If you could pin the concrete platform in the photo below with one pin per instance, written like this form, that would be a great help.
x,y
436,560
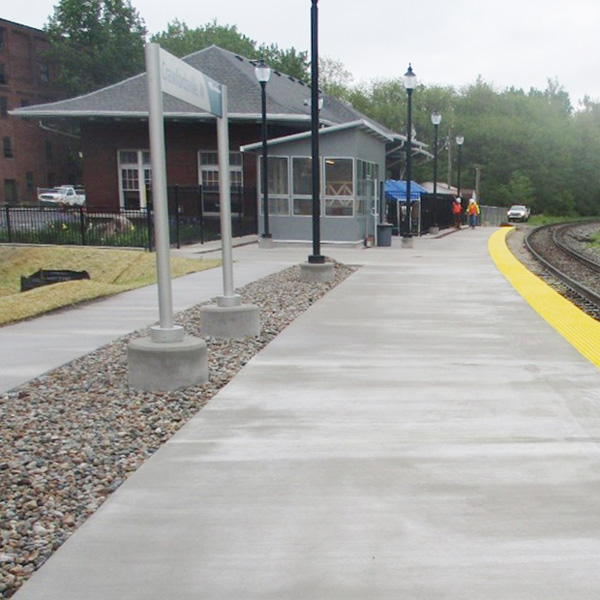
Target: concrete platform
x,y
419,433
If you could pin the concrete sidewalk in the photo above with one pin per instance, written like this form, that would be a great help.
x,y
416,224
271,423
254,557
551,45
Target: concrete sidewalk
x,y
31,348
419,433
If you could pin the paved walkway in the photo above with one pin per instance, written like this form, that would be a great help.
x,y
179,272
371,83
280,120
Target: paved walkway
x,y
31,348
419,433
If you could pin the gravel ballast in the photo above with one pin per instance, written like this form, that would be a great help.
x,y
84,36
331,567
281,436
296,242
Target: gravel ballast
x,y
72,436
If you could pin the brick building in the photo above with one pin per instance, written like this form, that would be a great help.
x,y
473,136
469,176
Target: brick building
x,y
31,154
114,133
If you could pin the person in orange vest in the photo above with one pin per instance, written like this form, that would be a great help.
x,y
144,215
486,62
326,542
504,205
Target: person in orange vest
x,y
457,212
473,212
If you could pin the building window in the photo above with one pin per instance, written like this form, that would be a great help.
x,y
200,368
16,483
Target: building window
x,y
2,75
10,191
8,149
135,178
338,177
339,187
302,186
2,38
302,207
278,175
366,180
30,183
278,185
44,72
49,151
3,107
208,178
302,176
24,103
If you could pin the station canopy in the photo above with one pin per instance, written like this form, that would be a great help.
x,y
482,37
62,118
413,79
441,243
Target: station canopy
x,y
395,190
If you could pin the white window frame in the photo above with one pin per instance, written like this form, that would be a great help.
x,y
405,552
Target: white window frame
x,y
275,199
331,197
143,168
236,172
294,196
364,201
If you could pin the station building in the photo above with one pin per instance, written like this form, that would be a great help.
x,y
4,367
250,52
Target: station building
x,y
117,172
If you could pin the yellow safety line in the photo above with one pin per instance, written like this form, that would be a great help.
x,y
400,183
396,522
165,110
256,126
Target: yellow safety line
x,y
579,329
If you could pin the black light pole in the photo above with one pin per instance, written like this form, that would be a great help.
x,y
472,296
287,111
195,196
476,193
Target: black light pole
x,y
263,74
459,141
410,80
315,257
436,119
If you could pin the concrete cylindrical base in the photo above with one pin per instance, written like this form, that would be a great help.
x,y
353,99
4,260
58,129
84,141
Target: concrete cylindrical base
x,y
230,322
434,230
265,242
407,242
319,272
167,366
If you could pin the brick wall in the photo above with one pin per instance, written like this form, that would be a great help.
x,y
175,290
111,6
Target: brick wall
x,y
39,158
103,138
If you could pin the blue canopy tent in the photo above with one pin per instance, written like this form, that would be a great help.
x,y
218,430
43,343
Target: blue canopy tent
x,y
395,191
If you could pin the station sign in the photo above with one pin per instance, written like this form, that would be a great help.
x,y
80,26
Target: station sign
x,y
182,81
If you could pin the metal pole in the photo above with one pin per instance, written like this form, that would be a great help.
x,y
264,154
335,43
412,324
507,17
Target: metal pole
x,y
177,220
166,331
435,173
458,176
449,144
265,176
82,226
477,180
408,231
9,230
316,257
228,298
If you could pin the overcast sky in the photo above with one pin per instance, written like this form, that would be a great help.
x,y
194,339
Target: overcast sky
x,y
517,43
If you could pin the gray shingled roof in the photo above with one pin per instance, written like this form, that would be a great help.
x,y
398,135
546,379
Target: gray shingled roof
x,y
286,97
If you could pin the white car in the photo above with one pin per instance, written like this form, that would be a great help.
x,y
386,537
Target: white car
x,y
517,212
63,195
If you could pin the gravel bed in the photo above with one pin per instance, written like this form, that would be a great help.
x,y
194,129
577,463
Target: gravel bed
x,y
71,437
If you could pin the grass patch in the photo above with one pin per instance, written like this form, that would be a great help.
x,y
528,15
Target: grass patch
x,y
543,219
111,271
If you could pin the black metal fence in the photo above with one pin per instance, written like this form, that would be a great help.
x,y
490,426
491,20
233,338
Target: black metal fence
x,y
80,225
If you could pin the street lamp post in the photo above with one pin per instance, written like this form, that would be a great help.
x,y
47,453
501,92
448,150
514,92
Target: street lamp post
x,y
459,141
436,119
315,257
410,81
263,74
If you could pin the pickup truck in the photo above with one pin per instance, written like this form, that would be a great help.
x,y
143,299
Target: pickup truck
x,y
63,194
518,212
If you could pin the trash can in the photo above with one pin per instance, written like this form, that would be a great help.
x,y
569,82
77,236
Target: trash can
x,y
384,235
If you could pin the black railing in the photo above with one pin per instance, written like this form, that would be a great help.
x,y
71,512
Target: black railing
x,y
188,220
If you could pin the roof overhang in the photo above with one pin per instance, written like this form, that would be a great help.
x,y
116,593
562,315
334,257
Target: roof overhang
x,y
42,113
360,124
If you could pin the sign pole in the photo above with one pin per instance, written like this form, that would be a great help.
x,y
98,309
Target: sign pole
x,y
166,332
228,298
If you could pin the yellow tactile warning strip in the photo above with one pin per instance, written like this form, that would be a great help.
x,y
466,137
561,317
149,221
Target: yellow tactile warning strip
x,y
579,329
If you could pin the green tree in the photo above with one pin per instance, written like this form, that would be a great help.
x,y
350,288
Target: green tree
x,y
95,43
334,78
180,40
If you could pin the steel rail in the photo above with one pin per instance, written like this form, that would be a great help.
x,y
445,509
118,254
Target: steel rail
x,y
575,286
558,235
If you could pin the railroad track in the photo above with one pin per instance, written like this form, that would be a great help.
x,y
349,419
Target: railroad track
x,y
552,246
